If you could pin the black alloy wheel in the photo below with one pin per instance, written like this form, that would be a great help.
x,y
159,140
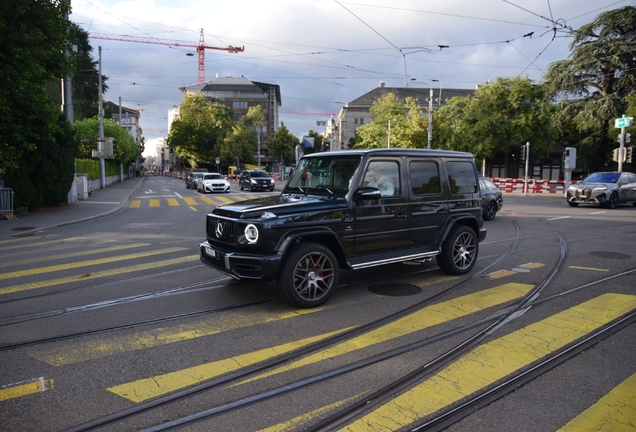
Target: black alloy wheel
x,y
491,211
459,251
309,275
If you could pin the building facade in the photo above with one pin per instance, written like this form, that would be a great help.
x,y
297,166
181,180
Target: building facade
x,y
357,112
240,94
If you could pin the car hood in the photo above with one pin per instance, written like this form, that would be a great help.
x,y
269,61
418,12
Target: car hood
x,y
583,185
279,205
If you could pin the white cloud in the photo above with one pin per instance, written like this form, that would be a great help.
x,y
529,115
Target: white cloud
x,y
323,53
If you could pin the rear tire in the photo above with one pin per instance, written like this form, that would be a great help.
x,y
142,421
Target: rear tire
x,y
491,211
309,275
459,251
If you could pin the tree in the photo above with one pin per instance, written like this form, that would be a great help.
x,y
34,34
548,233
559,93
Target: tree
x,y
242,142
282,145
33,35
592,85
125,150
85,78
318,142
501,115
196,137
395,123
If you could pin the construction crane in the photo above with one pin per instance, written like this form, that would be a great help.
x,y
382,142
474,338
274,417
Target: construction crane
x,y
321,113
200,47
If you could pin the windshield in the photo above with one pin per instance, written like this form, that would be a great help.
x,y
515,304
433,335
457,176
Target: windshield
x,y
256,174
602,178
331,174
212,177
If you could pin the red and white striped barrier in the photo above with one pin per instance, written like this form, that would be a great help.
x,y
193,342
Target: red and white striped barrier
x,y
535,186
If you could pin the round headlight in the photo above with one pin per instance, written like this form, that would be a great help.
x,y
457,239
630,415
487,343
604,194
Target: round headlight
x,y
251,233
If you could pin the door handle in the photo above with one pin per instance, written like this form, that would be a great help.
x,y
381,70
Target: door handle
x,y
400,216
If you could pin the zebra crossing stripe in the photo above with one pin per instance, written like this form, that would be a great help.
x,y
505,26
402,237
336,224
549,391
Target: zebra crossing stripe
x,y
492,361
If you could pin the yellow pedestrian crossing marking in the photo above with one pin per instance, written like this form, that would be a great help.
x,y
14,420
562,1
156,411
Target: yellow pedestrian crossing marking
x,y
225,200
144,389
72,265
73,254
174,202
499,274
25,388
589,268
95,275
420,320
492,361
305,418
90,350
432,315
616,411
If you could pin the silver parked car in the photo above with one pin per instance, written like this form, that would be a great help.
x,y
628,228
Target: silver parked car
x,y
605,188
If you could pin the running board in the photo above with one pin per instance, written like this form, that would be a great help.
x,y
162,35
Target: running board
x,y
425,256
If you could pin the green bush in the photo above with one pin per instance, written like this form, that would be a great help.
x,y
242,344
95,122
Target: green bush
x,y
93,169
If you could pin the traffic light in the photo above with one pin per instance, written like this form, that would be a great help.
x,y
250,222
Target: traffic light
x,y
615,155
569,158
630,151
523,150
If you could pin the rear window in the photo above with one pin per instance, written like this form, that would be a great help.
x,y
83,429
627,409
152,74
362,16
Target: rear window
x,y
424,178
461,177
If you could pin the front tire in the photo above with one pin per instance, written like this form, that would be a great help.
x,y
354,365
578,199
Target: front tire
x,y
612,202
459,251
309,275
573,204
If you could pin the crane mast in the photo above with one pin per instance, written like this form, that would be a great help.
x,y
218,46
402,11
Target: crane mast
x,y
200,47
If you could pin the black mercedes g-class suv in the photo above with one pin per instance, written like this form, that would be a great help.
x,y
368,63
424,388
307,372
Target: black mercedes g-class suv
x,y
351,210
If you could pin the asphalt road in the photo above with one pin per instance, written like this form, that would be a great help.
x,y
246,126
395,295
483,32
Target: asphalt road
x,y
115,314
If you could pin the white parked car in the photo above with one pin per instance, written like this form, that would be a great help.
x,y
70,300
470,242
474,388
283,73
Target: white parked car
x,y
212,182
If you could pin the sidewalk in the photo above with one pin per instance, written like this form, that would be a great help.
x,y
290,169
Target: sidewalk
x,y
101,203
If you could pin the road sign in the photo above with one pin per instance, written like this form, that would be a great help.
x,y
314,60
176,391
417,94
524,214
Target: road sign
x,y
623,122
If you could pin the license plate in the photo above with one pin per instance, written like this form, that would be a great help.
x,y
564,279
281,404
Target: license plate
x,y
210,252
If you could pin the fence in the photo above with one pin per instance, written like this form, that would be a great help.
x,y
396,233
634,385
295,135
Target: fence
x,y
535,186
6,203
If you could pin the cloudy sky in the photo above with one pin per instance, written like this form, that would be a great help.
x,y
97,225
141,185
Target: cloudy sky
x,y
325,53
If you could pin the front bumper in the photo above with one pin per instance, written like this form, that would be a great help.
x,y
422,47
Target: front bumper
x,y
216,187
586,196
240,265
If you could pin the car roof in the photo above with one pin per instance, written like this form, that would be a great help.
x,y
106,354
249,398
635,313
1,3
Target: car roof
x,y
394,152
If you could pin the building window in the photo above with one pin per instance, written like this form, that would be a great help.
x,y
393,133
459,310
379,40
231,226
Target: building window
x,y
355,120
361,120
239,105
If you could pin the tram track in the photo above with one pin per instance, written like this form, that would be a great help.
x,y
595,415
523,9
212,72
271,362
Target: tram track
x,y
493,320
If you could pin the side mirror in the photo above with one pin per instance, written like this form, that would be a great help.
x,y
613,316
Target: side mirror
x,y
368,194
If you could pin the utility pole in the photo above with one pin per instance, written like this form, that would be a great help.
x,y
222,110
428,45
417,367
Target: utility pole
x,y
67,109
100,140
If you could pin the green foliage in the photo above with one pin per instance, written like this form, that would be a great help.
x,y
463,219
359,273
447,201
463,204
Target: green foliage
x,y
92,167
33,35
399,122
318,144
198,134
46,173
593,84
125,150
505,113
282,144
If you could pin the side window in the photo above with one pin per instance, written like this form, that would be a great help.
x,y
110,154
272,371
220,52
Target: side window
x,y
424,177
461,177
384,175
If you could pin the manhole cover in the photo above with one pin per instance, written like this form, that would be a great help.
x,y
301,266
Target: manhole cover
x,y
22,228
613,255
394,289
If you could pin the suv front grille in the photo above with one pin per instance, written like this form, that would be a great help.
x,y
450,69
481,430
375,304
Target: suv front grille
x,y
220,229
